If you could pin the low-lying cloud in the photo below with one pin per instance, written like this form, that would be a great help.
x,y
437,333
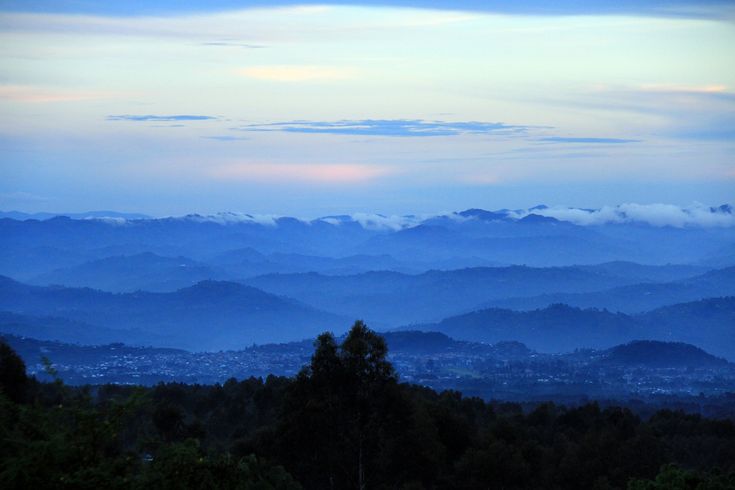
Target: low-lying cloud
x,y
381,222
230,218
651,214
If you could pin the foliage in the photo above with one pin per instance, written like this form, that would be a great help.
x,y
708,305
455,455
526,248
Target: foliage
x,y
344,422
12,373
673,478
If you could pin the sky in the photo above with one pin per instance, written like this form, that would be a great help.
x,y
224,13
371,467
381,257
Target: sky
x,y
316,108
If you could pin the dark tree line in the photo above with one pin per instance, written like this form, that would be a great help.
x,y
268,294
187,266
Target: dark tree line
x,y
345,422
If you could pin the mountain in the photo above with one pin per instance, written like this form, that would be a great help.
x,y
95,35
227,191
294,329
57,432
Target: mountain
x,y
656,354
538,237
633,298
70,331
648,273
388,299
483,215
208,315
28,261
724,257
557,328
146,271
536,243
18,215
248,262
708,324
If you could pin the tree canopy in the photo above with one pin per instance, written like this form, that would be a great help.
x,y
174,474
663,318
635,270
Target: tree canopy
x,y
344,422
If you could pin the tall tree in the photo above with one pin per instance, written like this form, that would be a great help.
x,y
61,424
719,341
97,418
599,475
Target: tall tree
x,y
13,379
345,423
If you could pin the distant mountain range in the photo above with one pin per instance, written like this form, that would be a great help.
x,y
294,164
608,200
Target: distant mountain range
x,y
209,315
709,324
390,298
340,244
226,315
145,271
60,329
18,215
633,298
229,280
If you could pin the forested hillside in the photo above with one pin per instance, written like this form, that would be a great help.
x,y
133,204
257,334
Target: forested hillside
x,y
343,422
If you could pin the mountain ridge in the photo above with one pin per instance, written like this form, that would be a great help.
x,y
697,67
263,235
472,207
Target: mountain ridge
x,y
210,313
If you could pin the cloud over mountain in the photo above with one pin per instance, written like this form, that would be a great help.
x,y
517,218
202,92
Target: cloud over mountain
x,y
652,214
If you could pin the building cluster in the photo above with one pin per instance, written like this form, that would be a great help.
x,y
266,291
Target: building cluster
x,y
470,372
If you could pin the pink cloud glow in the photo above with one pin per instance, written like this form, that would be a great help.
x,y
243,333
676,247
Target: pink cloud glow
x,y
288,172
22,93
702,89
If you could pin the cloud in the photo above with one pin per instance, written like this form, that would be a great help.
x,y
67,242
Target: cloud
x,y
232,44
386,127
658,215
559,139
369,221
25,93
685,89
381,222
310,173
225,138
670,8
689,112
151,117
652,214
297,73
229,218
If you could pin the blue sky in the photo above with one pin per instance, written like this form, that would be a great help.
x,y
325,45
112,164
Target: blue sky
x,y
315,108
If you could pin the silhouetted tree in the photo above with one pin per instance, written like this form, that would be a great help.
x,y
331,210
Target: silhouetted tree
x,y
345,422
13,379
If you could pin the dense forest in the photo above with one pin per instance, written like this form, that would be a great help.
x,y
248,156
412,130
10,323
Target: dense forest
x,y
345,421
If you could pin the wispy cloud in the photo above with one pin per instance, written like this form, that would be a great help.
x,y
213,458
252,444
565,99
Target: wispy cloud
x,y
685,89
158,118
309,173
387,127
696,112
560,139
297,73
232,44
225,138
652,214
382,222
